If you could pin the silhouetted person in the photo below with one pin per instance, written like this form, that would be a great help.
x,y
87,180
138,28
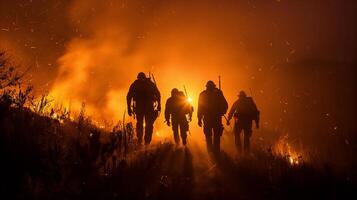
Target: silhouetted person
x,y
244,112
176,111
211,107
146,105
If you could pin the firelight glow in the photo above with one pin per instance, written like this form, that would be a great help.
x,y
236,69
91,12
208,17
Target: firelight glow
x,y
189,100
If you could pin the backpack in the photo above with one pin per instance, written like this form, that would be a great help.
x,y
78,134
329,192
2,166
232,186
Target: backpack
x,y
247,108
145,91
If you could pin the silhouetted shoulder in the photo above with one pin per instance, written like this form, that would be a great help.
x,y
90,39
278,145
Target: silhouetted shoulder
x,y
218,91
135,84
203,93
137,81
250,100
148,81
169,100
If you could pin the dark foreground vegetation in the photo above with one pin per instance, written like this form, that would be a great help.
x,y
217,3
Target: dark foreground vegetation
x,y
44,158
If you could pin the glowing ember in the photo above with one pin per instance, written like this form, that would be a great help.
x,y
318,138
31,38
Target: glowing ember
x,y
283,148
293,161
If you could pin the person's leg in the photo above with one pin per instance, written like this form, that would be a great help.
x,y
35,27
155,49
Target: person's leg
x,y
183,131
247,135
175,129
218,131
139,127
237,140
208,133
149,126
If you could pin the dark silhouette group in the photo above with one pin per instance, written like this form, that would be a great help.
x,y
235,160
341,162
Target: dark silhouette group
x,y
144,104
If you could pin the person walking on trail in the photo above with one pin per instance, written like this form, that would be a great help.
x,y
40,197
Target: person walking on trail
x,y
212,105
177,110
244,111
144,103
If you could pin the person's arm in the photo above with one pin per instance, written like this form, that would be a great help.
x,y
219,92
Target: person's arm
x,y
129,98
190,113
257,115
158,98
257,120
225,104
232,110
200,109
168,112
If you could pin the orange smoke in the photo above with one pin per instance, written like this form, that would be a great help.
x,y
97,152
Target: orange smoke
x,y
99,68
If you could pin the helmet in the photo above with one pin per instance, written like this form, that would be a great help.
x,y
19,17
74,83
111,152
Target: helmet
x,y
242,94
174,92
141,75
210,84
